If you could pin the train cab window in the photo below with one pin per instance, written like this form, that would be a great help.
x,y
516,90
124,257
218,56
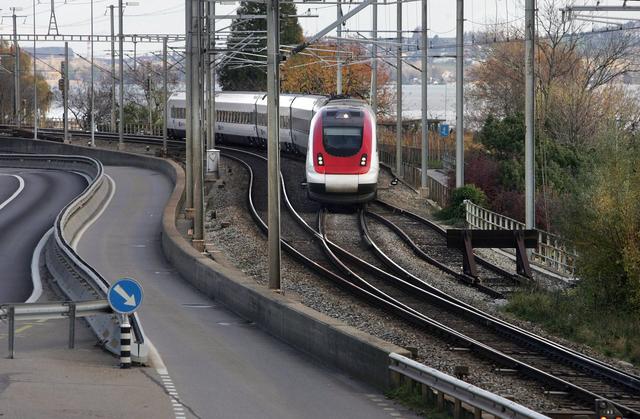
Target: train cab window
x,y
178,113
342,141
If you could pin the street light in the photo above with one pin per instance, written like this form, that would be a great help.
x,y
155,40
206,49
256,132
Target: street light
x,y
121,5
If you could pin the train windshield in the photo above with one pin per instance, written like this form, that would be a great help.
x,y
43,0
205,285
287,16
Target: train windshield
x,y
342,141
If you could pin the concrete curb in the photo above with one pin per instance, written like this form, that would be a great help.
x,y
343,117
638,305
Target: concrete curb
x,y
321,337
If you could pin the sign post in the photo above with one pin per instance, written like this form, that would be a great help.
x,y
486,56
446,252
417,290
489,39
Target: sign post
x,y
125,297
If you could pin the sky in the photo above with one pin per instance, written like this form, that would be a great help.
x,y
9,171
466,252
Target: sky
x,y
167,16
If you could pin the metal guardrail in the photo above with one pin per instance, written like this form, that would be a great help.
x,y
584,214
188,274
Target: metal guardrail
x,y
464,396
552,252
78,280
44,311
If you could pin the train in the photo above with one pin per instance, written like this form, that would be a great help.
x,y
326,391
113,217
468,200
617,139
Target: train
x,y
337,135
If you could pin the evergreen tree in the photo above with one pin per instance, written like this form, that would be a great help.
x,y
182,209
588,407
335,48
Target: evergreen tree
x,y
252,76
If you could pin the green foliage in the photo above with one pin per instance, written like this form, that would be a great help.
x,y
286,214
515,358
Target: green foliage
x,y
236,74
504,138
577,316
456,211
603,220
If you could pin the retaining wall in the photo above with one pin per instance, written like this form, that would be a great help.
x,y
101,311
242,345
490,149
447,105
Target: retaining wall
x,y
322,337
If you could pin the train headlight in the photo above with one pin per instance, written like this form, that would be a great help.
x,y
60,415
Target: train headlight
x,y
363,160
320,160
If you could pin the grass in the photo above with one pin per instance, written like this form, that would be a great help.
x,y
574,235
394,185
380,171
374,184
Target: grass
x,y
411,397
573,316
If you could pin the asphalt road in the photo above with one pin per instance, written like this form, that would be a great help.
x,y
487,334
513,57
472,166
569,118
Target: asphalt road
x,y
25,215
218,365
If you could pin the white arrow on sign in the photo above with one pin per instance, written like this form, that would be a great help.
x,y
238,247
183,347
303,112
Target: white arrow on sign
x,y
129,300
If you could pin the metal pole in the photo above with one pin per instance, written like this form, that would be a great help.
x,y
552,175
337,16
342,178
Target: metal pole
x,y
65,97
273,143
211,76
425,84
35,79
196,127
529,147
374,59
399,90
338,58
92,107
12,331
72,325
16,73
149,103
113,72
460,95
165,97
121,71
189,110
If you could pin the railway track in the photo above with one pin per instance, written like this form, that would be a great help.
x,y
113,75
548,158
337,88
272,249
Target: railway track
x,y
561,370
427,240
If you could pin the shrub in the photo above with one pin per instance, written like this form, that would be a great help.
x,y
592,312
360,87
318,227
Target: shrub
x,y
456,211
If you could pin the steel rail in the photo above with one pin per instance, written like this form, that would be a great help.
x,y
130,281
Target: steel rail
x,y
423,321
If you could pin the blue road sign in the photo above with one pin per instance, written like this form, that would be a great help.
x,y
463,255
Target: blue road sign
x,y
444,130
125,296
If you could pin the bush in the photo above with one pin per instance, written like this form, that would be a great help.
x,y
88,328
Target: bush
x,y
456,211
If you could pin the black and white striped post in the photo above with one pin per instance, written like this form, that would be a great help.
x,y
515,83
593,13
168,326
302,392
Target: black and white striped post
x,y
125,342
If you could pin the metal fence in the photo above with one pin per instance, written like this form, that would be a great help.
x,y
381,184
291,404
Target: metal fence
x,y
449,392
553,252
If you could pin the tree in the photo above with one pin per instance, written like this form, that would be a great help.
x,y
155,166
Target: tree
x,y
244,65
27,84
314,72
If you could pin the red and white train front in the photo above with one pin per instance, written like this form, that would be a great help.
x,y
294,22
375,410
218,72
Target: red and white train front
x,y
342,157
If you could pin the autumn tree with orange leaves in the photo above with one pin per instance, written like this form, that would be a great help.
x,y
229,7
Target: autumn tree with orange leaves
x,y
314,72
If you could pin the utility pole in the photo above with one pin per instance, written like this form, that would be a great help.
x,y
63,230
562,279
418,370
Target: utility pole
x,y
65,96
460,95
16,70
273,142
121,70
399,90
196,123
374,59
149,103
93,101
211,75
338,57
113,72
53,22
189,110
165,98
425,84
529,142
35,79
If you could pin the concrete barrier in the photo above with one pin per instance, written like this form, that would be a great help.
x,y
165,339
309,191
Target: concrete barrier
x,y
322,337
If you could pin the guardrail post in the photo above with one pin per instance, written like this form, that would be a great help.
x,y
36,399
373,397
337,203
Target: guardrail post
x,y
12,327
477,413
72,325
440,400
457,409
125,342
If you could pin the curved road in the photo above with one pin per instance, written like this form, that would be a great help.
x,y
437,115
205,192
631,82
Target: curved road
x,y
25,216
218,365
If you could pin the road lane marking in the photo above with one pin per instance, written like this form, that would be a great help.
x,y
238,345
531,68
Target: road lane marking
x,y
16,193
35,268
23,328
89,223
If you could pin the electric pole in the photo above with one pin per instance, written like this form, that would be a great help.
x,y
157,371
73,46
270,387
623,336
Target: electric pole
x,y
374,59
65,93
530,183
121,71
425,84
399,90
165,97
113,72
460,95
93,101
211,76
16,70
273,141
338,57
35,79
